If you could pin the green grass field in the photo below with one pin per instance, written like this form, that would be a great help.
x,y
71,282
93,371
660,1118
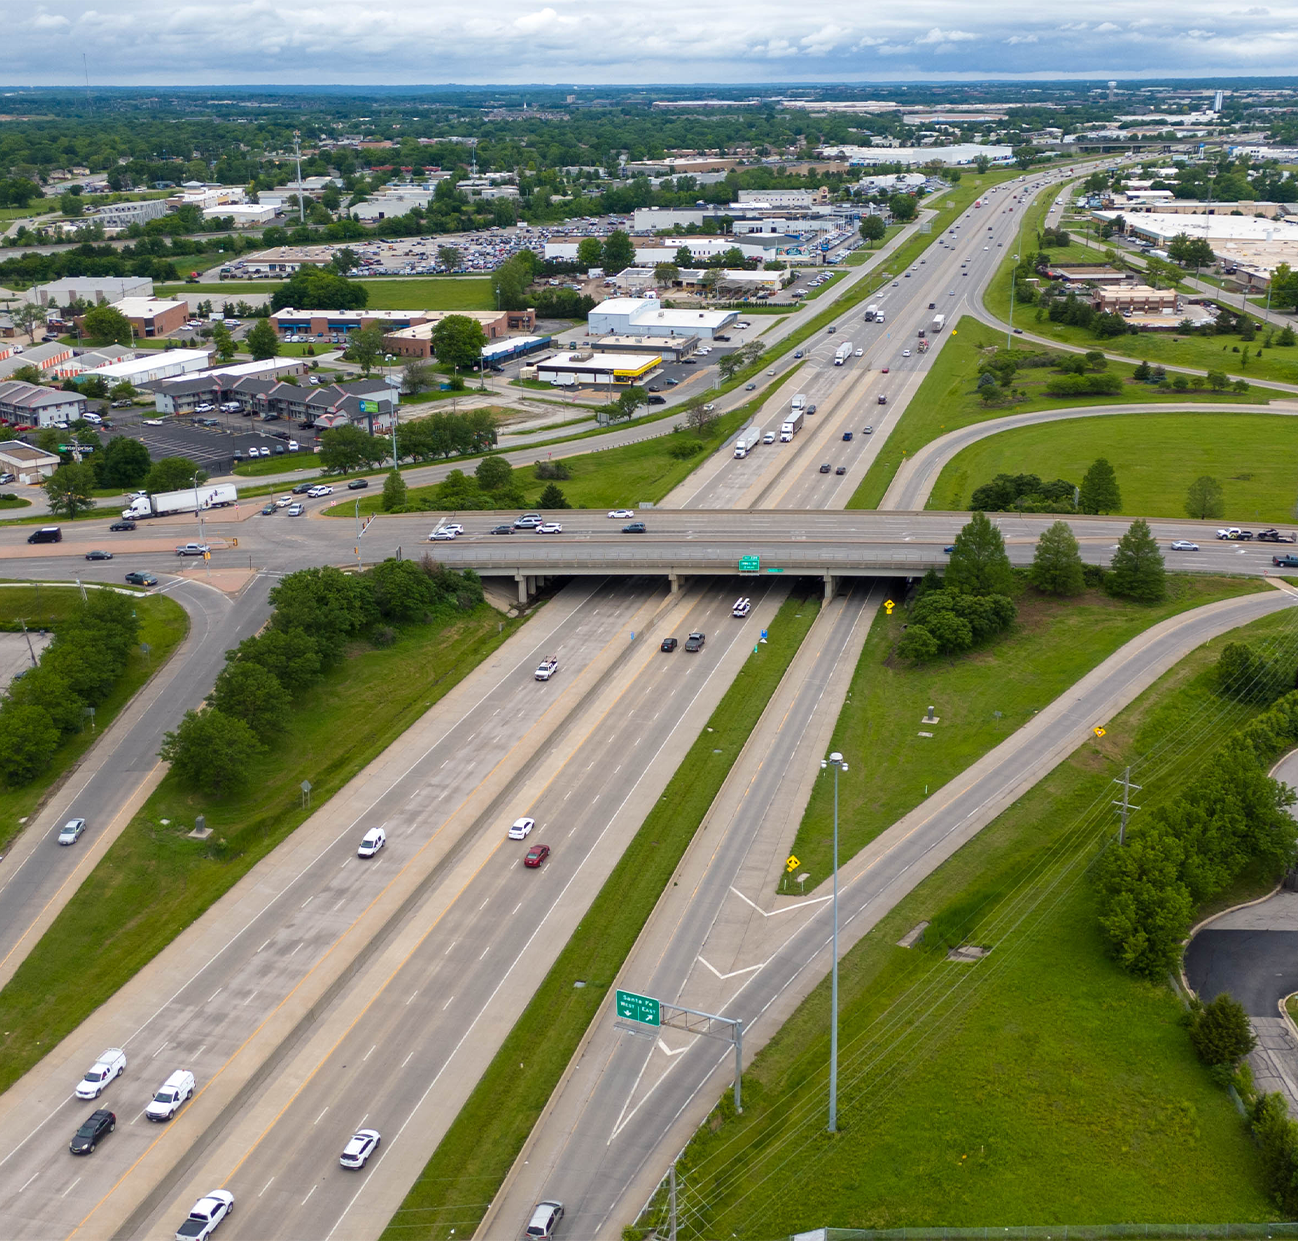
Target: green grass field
x,y
1157,456
1219,353
163,624
453,1191
948,400
1055,643
1038,1086
153,881
386,293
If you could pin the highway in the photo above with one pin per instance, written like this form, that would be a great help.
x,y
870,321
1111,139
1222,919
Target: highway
x,y
328,988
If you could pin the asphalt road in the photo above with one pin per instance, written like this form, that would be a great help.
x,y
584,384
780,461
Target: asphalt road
x,y
1258,967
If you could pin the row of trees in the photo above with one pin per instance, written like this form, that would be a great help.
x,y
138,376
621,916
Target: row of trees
x,y
1026,493
318,612
77,671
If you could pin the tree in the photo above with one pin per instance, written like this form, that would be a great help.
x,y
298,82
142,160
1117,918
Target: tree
x,y
249,692
903,207
365,347
402,590
314,288
590,250
1221,1032
347,448
210,751
619,252
1025,156
124,463
700,414
291,656
345,260
1246,676
509,284
666,274
1205,500
449,257
28,739
325,602
394,491
172,474
223,342
1099,489
553,497
1137,570
1057,565
27,317
684,257
107,324
494,473
873,228
123,390
71,489
982,162
415,376
979,565
918,644
262,340
458,342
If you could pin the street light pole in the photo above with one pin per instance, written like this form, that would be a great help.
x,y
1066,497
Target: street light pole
x,y
836,761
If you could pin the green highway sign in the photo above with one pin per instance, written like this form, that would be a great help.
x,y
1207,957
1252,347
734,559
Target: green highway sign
x,y
750,564
632,1007
775,570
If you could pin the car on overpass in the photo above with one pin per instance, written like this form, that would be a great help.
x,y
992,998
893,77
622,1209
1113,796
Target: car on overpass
x,y
636,527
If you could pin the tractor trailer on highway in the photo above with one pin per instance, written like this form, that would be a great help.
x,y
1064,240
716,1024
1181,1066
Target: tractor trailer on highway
x,y
791,426
190,500
748,439
842,353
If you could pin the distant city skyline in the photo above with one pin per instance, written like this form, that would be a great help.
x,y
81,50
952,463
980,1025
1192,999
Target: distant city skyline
x,y
147,42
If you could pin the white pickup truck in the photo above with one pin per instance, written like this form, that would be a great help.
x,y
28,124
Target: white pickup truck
x,y
548,668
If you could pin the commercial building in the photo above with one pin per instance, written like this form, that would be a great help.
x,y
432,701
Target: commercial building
x,y
588,367
42,357
958,153
785,198
416,341
151,316
214,386
244,214
514,347
203,195
645,316
92,289
37,406
31,465
120,215
1136,299
673,348
157,364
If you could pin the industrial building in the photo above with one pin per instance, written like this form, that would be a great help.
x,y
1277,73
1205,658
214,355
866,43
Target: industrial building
x,y
120,215
645,316
158,364
42,357
245,215
92,289
151,316
416,340
396,323
590,368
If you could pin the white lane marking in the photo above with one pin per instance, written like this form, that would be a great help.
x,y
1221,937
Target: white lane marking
x,y
486,950
369,1053
259,949
406,1061
266,1186
517,908
319,1118
748,969
308,900
70,1188
155,1054
483,905
309,1193
667,1051
447,1004
249,999
214,994
294,953
29,1180
414,993
815,900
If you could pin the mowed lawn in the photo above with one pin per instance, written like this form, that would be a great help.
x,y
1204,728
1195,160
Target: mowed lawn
x,y
1039,1085
388,293
1157,456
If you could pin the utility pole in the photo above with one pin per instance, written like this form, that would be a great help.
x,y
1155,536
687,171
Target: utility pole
x,y
1124,806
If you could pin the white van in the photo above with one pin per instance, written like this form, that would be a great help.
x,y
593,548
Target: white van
x,y
94,419
171,1095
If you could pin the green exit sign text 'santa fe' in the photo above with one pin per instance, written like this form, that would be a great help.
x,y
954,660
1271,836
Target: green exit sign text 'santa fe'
x,y
750,564
642,1008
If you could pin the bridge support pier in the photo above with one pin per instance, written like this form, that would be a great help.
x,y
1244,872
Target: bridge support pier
x,y
675,583
831,587
526,587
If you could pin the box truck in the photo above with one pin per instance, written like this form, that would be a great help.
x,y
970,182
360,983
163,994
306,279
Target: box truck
x,y
939,322
800,401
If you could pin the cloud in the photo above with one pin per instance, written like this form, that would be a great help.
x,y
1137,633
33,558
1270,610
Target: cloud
x,y
49,21
1106,28
937,35
1020,38
534,23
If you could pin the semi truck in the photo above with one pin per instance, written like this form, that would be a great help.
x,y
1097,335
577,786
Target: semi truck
x,y
748,439
800,401
191,499
791,426
939,322
842,353
872,312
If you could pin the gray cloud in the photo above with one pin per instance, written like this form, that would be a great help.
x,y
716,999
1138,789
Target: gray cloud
x,y
579,41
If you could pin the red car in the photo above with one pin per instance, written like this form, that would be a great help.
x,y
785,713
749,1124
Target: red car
x,y
536,855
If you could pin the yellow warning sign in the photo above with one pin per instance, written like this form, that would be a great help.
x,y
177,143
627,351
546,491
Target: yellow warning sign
x,y
888,606
792,864
1098,731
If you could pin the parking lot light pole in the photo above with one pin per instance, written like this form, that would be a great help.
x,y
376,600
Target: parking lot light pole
x,y
835,760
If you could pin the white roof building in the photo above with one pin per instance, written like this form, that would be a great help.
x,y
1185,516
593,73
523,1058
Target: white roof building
x,y
645,316
158,364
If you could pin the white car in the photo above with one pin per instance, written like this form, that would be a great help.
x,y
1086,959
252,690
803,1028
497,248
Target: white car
x,y
521,828
71,831
1184,545
205,1215
742,607
320,490
442,534
111,1064
860,353
151,422
905,353
621,513
549,527
362,1145
373,841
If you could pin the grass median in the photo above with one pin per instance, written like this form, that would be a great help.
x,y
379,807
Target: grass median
x,y
154,880
1040,1085
1157,456
948,399
456,1187
981,699
163,624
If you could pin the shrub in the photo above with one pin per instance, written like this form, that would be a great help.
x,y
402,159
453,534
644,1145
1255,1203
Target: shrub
x,y
1220,1031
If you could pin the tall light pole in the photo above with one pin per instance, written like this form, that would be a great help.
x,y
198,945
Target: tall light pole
x,y
835,760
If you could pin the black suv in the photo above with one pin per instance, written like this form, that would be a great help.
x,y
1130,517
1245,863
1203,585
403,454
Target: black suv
x,y
302,488
87,1137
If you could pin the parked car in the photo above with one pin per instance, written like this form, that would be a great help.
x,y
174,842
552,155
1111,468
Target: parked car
x,y
536,855
71,831
695,641
363,1143
521,828
372,842
98,1127
111,1064
668,645
141,578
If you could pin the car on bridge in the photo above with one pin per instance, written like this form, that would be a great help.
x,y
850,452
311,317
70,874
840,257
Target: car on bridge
x,y
1184,545
636,527
695,641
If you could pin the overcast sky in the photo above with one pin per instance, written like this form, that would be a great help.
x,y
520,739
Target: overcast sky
x,y
174,42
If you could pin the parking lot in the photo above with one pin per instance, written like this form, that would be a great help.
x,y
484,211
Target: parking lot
x,y
213,448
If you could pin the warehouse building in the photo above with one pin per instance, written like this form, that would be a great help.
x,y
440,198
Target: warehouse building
x,y
120,215
159,364
645,316
416,341
152,316
589,368
92,289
